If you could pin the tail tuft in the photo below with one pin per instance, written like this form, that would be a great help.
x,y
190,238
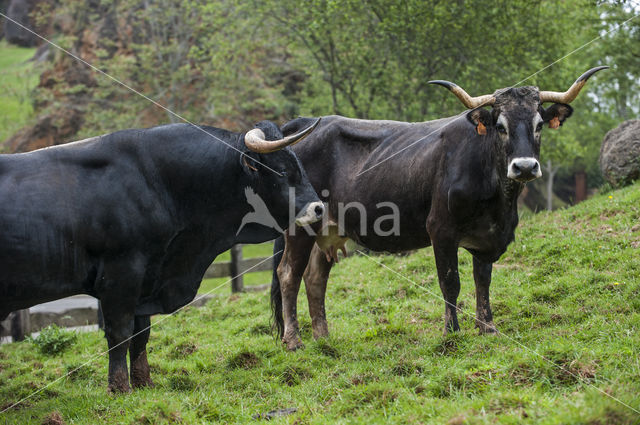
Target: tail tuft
x,y
277,324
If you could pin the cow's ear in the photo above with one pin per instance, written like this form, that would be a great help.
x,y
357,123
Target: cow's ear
x,y
248,163
556,114
481,120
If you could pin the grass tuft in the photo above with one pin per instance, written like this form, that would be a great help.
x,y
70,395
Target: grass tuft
x,y
243,360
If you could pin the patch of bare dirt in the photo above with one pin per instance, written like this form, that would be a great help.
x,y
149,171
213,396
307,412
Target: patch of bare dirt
x,y
243,360
576,370
293,375
457,420
184,349
406,368
362,379
53,418
382,320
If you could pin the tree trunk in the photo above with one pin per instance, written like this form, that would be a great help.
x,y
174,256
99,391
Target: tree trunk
x,y
552,172
581,186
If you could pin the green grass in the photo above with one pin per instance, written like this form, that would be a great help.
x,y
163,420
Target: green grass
x,y
568,289
17,80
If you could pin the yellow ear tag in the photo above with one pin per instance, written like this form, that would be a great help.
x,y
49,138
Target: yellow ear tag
x,y
554,123
481,129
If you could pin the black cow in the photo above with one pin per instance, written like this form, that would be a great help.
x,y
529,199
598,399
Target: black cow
x,y
134,218
450,183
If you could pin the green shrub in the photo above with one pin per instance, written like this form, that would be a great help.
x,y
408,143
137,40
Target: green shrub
x,y
54,340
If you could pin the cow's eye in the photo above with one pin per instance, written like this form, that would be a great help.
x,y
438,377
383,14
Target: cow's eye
x,y
539,126
501,128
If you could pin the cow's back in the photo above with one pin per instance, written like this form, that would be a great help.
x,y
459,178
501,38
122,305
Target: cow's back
x,y
64,209
372,162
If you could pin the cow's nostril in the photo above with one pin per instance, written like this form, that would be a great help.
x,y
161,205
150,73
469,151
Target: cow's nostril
x,y
319,210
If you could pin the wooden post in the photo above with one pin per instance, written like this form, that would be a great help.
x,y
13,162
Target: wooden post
x,y
20,325
581,186
100,316
237,284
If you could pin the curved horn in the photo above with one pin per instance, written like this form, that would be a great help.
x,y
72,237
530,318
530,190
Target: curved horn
x,y
255,139
572,93
468,101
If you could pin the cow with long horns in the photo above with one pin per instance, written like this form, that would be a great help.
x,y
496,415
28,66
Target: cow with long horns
x,y
454,183
134,218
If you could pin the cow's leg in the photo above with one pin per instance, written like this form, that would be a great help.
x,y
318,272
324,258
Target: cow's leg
x,y
118,328
482,278
315,281
118,291
446,254
292,266
140,374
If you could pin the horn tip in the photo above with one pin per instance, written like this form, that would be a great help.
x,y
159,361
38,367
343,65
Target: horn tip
x,y
589,73
311,127
447,84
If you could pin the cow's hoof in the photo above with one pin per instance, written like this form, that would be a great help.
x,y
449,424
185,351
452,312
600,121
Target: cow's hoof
x,y
293,344
320,330
142,383
119,382
141,372
118,389
486,328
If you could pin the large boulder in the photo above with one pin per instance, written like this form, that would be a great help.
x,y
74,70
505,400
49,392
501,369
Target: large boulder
x,y
3,8
620,154
19,11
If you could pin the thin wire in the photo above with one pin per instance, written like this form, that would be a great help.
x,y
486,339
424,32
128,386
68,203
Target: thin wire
x,y
133,336
135,91
499,333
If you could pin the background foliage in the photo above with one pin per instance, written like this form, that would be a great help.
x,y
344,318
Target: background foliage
x,y
231,63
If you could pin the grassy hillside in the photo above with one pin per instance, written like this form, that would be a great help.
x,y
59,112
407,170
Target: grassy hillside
x,y
17,80
566,297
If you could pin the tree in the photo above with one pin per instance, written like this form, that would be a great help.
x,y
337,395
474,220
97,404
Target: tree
x,y
232,62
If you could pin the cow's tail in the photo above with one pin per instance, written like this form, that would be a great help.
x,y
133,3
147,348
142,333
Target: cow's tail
x,y
276,296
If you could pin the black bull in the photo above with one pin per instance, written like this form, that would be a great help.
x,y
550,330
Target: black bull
x,y
134,218
456,187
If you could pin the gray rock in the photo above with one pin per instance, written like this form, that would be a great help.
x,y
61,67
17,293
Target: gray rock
x,y
3,8
620,154
19,11
275,414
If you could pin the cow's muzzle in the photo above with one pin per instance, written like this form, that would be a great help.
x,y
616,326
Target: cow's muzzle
x,y
524,169
312,213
